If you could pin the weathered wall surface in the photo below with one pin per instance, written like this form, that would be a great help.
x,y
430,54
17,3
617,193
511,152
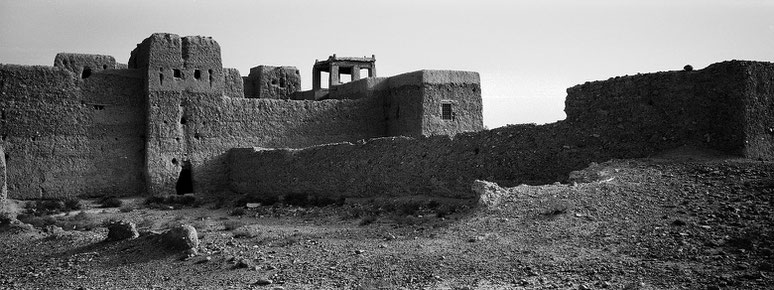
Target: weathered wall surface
x,y
397,166
64,135
234,86
626,117
460,89
759,111
174,67
215,125
84,65
666,109
3,184
272,82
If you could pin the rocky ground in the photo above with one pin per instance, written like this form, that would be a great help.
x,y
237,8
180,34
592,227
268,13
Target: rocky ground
x,y
684,220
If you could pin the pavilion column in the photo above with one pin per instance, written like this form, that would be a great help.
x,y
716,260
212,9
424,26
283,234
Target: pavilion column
x,y
355,73
334,76
316,85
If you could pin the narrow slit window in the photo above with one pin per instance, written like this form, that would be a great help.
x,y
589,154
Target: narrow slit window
x,y
446,112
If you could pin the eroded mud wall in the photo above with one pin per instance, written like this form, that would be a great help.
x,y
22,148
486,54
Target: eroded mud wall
x,y
3,185
626,117
216,124
759,111
65,135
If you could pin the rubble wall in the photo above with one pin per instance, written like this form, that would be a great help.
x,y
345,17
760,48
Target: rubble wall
x,y
66,136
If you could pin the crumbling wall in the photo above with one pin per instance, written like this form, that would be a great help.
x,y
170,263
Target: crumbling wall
x,y
3,183
67,136
272,82
84,65
174,67
215,125
234,86
759,111
399,166
625,117
650,112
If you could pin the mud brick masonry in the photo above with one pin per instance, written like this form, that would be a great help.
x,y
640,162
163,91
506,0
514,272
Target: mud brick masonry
x,y
173,120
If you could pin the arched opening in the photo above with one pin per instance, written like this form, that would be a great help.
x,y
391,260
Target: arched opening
x,y
185,180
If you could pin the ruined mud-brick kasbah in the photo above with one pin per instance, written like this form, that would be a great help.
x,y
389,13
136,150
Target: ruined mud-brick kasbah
x,y
173,120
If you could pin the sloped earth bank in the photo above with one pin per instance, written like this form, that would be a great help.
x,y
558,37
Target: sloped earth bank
x,y
681,221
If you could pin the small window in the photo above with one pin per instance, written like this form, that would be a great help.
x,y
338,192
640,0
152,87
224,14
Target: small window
x,y
446,112
86,72
178,74
197,74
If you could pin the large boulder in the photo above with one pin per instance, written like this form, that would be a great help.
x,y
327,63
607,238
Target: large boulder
x,y
122,230
182,237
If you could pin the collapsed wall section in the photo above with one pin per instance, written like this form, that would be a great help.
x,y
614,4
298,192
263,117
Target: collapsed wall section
x,y
67,136
272,82
84,65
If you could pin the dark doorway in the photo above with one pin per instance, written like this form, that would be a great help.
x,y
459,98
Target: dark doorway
x,y
185,181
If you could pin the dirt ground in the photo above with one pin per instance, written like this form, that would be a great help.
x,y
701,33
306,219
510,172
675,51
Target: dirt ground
x,y
678,221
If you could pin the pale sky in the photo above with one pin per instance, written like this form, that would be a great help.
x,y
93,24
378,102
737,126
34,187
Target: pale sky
x,y
527,52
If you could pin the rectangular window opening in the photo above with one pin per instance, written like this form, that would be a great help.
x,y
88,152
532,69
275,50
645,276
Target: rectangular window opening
x,y
446,112
345,78
325,79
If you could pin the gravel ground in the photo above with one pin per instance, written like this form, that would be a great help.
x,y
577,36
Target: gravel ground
x,y
680,221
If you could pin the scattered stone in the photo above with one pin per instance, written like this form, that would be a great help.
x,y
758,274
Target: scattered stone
x,y
263,282
122,230
489,193
244,263
54,230
182,237
358,252
253,205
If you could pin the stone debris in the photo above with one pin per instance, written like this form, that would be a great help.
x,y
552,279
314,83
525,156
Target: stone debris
x,y
182,237
490,194
122,230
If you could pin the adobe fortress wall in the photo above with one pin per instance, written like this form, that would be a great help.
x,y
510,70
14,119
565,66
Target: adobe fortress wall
x,y
65,134
726,106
